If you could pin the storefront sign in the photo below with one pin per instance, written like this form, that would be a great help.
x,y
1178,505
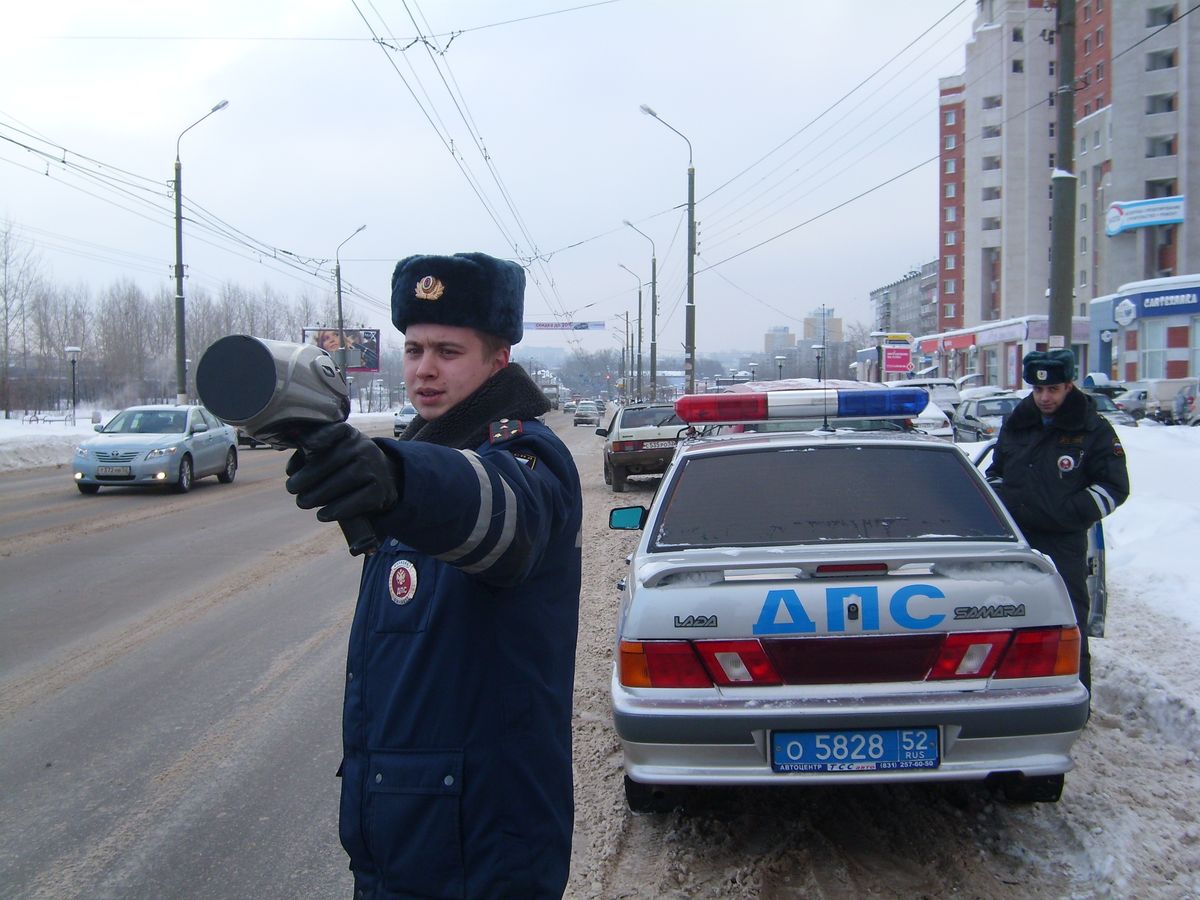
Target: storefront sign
x,y
897,359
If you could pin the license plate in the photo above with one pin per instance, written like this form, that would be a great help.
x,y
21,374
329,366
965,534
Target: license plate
x,y
657,445
112,471
879,750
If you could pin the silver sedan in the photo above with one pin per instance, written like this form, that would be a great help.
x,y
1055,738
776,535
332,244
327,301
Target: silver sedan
x,y
157,446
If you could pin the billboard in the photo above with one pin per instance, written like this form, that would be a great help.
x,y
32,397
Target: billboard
x,y
564,326
362,346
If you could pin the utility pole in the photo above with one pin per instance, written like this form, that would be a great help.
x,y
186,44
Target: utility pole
x,y
1063,182
690,317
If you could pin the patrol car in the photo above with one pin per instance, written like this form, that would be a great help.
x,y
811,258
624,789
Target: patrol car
x,y
836,606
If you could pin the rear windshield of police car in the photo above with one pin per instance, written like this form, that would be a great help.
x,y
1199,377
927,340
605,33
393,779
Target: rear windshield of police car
x,y
813,495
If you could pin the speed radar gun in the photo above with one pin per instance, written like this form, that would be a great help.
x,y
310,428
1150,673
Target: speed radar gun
x,y
278,393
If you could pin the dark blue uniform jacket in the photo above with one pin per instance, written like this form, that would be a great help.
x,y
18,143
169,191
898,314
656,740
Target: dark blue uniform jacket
x,y
457,722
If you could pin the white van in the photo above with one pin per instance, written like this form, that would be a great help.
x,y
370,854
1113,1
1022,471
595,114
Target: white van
x,y
942,391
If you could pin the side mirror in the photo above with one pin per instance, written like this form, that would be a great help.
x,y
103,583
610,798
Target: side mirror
x,y
97,428
603,432
199,427
627,518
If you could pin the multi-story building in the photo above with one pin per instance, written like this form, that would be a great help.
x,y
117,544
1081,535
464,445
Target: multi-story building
x,y
998,143
1138,158
906,305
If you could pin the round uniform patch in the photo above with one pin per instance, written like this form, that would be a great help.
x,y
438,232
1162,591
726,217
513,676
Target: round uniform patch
x,y
402,582
1066,463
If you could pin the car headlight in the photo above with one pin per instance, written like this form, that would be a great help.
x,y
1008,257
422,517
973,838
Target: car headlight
x,y
81,452
162,451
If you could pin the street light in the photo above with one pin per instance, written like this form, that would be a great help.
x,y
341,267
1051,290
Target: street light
x,y
337,277
639,329
779,360
689,345
653,311
180,343
73,353
818,349
753,366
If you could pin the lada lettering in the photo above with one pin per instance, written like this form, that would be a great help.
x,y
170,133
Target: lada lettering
x,y
784,613
696,622
999,611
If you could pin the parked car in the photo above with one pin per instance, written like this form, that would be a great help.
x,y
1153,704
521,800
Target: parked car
x,y
983,390
157,446
403,418
1099,383
980,419
586,413
1151,397
932,419
837,608
942,391
640,440
1107,408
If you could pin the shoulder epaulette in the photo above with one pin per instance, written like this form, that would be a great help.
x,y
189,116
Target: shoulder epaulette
x,y
504,430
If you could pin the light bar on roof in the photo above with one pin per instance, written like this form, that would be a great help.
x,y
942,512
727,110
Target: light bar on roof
x,y
867,403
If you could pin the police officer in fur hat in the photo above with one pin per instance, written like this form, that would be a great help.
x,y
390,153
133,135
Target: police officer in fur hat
x,y
1059,468
456,769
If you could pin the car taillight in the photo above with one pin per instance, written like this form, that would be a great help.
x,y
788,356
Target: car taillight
x,y
626,446
737,663
1038,652
968,654
661,664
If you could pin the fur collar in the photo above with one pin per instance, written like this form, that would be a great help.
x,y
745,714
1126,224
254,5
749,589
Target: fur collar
x,y
509,394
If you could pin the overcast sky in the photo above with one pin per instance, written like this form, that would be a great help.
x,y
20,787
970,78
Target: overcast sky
x,y
793,109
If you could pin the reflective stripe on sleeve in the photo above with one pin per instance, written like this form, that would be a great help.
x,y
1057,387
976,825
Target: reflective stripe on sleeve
x,y
507,531
1103,498
479,532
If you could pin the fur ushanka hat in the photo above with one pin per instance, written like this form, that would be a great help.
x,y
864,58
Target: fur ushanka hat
x,y
469,290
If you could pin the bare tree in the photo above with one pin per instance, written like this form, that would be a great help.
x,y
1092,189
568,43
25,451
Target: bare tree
x,y
18,280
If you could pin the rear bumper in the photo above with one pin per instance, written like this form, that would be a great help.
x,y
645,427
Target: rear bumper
x,y
728,741
642,462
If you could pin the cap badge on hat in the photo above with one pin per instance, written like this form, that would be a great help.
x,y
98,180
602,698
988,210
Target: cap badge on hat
x,y
430,288
1042,374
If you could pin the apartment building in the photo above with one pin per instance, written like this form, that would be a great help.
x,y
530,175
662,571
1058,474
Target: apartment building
x,y
1138,159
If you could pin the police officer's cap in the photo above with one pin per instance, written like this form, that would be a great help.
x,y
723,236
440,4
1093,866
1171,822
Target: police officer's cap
x,y
1049,367
469,290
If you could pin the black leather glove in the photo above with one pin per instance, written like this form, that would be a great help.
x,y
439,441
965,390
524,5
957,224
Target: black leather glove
x,y
343,471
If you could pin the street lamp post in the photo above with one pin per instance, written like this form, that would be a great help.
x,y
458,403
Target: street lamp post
x,y
753,367
689,346
73,353
180,342
818,349
779,360
337,277
653,311
638,395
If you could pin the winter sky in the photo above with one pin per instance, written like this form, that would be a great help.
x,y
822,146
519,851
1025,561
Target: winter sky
x,y
511,128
